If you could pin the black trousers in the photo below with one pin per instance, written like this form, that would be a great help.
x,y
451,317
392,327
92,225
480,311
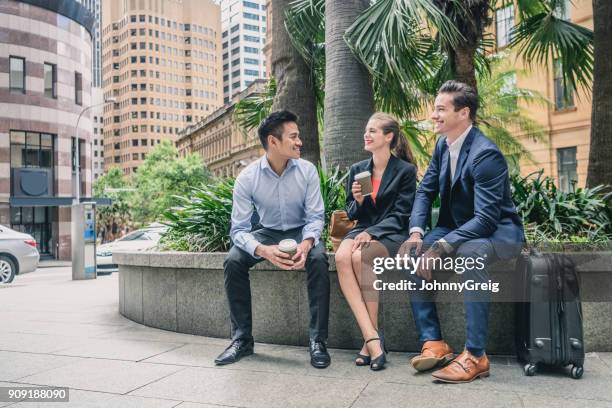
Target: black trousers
x,y
238,286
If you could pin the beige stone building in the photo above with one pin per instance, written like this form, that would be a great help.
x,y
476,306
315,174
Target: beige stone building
x,y
162,62
223,146
45,83
567,122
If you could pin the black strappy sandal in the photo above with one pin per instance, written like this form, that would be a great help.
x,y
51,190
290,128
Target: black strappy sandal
x,y
365,360
379,362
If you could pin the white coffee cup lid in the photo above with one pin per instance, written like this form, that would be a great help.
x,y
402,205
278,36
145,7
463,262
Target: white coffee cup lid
x,y
287,244
363,174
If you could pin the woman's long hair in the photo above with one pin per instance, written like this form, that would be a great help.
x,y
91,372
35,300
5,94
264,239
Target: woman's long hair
x,y
399,145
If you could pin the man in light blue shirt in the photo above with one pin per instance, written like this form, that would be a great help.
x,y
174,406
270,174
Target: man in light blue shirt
x,y
285,192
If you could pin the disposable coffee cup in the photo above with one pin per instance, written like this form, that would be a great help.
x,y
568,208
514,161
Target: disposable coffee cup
x,y
365,180
288,246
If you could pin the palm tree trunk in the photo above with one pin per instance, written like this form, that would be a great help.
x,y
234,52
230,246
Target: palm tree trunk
x,y
470,18
462,61
349,99
294,83
600,156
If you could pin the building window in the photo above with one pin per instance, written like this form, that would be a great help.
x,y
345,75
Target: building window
x,y
78,88
250,4
251,16
250,27
251,61
35,221
251,38
504,18
564,94
30,149
17,74
251,50
251,72
566,166
81,153
50,74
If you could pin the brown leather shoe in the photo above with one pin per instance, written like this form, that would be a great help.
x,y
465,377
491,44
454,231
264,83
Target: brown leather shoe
x,y
465,368
433,354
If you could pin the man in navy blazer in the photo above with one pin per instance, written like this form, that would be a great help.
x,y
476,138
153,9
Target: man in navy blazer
x,y
477,220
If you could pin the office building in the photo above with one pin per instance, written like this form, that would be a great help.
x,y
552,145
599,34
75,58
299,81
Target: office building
x,y
162,63
244,26
45,83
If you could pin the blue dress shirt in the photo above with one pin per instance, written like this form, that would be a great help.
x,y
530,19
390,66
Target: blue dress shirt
x,y
283,202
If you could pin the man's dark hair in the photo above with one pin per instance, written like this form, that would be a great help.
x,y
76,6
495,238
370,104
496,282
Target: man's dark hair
x,y
273,125
464,96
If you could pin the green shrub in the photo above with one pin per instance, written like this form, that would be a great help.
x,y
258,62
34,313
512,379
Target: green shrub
x,y
551,215
202,222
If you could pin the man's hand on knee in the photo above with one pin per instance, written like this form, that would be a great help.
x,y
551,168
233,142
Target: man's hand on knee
x,y
414,241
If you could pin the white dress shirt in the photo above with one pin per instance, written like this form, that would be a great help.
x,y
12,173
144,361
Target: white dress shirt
x,y
454,149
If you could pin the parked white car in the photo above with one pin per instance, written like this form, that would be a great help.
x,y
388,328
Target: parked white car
x,y
139,240
18,254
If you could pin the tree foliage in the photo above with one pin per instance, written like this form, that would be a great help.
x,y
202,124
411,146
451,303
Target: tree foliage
x,y
141,198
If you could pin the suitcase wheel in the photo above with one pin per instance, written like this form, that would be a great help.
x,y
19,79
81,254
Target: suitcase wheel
x,y
529,369
577,372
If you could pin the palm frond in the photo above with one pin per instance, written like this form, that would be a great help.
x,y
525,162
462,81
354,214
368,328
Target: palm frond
x,y
391,41
542,36
250,111
305,23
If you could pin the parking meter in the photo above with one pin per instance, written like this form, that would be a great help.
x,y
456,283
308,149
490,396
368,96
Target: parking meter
x,y
84,241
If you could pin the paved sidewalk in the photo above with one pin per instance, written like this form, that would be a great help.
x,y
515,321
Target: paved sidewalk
x,y
54,331
54,263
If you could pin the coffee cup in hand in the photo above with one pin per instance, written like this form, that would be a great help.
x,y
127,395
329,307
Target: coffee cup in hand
x,y
288,246
365,181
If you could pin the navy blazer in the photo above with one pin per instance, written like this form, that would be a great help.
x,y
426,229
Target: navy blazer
x,y
480,199
389,217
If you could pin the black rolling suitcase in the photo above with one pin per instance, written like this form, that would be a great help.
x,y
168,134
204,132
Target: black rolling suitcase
x,y
549,321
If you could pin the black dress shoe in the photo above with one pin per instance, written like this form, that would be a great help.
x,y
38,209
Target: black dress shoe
x,y
319,357
238,349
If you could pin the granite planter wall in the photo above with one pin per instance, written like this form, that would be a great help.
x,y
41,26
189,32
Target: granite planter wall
x,y
184,292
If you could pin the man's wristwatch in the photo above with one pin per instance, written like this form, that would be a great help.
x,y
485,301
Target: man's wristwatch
x,y
438,248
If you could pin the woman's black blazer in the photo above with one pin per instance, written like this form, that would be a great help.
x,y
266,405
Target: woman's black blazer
x,y
390,216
